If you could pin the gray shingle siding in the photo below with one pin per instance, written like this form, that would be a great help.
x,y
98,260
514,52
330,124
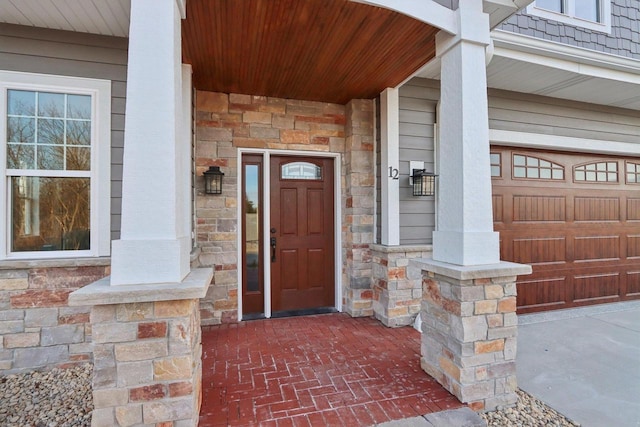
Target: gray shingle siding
x,y
624,39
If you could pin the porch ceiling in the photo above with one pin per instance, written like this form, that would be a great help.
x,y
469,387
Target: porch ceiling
x,y
317,50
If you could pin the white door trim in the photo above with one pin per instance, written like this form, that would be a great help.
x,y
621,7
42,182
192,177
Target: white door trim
x,y
266,191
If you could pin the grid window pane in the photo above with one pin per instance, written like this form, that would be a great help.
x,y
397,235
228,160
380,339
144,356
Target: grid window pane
x,y
78,132
78,106
50,104
78,159
21,156
50,131
21,129
557,174
50,157
21,103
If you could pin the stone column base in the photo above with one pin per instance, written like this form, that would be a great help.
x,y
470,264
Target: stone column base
x,y
397,287
147,351
469,330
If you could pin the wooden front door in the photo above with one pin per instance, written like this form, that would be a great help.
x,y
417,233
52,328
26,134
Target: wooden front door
x,y
301,241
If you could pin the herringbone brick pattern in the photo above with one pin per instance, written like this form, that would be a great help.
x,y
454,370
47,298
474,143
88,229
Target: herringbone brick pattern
x,y
324,370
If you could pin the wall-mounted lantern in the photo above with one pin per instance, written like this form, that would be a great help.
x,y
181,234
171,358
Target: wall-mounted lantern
x,y
424,183
213,180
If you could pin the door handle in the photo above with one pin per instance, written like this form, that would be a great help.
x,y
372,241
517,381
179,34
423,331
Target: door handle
x,y
273,249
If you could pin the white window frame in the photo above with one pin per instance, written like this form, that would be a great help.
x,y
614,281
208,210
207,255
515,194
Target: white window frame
x,y
570,17
100,173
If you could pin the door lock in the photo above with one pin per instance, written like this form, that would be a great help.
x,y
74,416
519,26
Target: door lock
x,y
273,249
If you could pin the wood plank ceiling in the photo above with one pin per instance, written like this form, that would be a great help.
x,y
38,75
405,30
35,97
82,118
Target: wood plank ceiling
x,y
316,50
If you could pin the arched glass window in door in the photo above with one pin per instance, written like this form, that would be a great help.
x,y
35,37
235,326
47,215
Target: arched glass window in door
x,y
301,170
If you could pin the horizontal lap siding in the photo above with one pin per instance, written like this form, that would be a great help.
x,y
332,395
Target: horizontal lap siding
x,y
542,115
418,101
38,50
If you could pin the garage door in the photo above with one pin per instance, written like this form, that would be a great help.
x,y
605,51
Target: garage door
x,y
575,219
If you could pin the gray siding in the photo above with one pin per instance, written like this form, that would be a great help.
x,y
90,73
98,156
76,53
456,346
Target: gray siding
x,y
550,116
418,101
624,39
65,53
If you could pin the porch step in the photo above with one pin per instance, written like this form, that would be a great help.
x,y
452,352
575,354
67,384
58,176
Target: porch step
x,y
461,417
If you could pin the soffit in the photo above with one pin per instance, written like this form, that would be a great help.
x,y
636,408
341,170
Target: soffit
x,y
528,65
109,18
318,50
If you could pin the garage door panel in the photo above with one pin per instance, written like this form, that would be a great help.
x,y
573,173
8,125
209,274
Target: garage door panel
x,y
539,250
633,209
542,293
633,284
538,208
633,246
498,207
596,209
596,248
596,286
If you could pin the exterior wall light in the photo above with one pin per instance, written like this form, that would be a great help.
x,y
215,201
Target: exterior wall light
x,y
213,180
424,183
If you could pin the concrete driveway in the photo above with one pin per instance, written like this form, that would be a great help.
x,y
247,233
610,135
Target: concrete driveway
x,y
584,362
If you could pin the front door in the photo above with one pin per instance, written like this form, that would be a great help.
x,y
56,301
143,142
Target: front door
x,y
301,244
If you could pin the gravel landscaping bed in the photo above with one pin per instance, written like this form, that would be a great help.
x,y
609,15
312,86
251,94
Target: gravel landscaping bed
x,y
57,398
528,412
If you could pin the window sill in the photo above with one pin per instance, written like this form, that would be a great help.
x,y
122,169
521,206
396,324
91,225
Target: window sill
x,y
54,262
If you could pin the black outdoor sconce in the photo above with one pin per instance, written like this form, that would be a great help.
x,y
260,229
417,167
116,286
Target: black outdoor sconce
x,y
424,183
213,180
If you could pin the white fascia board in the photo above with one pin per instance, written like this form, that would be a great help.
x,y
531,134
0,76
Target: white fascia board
x,y
427,11
542,52
566,143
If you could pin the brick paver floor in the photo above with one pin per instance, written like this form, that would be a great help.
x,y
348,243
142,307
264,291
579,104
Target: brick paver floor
x,y
323,370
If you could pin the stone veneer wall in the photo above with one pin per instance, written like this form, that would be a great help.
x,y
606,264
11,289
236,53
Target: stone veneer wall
x,y
148,364
226,122
38,329
397,285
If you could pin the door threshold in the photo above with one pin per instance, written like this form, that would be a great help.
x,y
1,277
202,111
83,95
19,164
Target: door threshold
x,y
304,312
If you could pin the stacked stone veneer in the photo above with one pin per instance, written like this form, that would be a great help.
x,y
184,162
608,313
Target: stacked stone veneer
x,y
357,209
148,368
227,122
38,329
397,284
469,330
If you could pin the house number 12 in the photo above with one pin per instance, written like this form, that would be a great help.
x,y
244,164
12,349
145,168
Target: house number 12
x,y
393,172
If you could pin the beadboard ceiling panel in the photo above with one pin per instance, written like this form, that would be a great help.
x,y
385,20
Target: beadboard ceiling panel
x,y
317,50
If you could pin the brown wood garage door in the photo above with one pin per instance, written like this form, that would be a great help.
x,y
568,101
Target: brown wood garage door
x,y
575,219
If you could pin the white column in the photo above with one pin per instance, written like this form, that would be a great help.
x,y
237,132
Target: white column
x,y
154,247
465,233
389,164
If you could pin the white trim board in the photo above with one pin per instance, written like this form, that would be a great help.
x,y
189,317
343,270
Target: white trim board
x,y
266,221
563,143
